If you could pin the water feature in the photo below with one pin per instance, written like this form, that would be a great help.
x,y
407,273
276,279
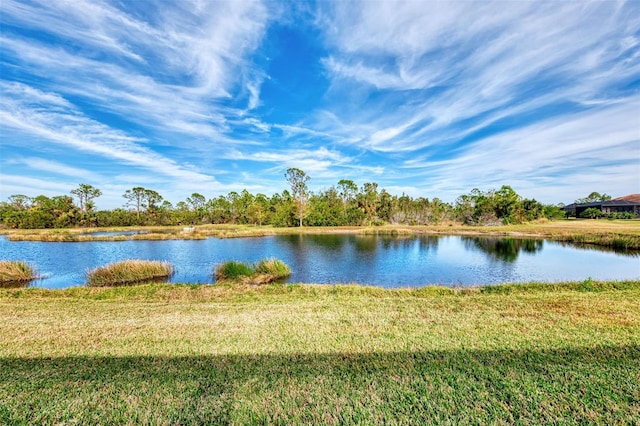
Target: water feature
x,y
340,258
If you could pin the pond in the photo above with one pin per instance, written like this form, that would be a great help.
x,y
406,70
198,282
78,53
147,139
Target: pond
x,y
341,258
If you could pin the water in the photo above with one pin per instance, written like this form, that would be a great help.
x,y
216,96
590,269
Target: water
x,y
381,261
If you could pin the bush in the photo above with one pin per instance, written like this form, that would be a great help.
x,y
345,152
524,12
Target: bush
x,y
591,213
621,215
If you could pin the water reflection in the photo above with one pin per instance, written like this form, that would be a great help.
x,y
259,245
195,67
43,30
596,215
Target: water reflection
x,y
363,244
591,247
15,284
503,249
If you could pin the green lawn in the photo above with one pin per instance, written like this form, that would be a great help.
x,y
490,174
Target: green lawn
x,y
291,354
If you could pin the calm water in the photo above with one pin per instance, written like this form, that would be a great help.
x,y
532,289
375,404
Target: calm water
x,y
381,261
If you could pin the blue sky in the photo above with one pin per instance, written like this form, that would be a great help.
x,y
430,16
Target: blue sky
x,y
425,98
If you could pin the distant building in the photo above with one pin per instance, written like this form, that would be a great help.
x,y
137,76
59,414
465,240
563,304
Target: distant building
x,y
626,204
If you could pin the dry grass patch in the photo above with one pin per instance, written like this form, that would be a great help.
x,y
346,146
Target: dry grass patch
x,y
15,273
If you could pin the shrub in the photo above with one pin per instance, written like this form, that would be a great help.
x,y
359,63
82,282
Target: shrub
x,y
591,213
620,215
129,272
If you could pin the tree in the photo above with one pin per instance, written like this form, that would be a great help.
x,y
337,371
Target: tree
x,y
135,197
20,202
298,181
86,194
594,197
140,198
257,211
152,199
368,199
196,201
508,205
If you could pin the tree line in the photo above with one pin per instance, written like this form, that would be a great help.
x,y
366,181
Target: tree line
x,y
344,204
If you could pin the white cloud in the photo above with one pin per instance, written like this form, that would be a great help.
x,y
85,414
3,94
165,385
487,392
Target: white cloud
x,y
471,61
596,150
58,168
72,129
31,187
161,72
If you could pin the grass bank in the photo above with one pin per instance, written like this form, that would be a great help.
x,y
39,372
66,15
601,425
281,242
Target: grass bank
x,y
623,234
291,354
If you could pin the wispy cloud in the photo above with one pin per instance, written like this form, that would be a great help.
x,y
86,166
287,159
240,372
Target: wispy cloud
x,y
31,111
469,61
58,168
183,70
597,148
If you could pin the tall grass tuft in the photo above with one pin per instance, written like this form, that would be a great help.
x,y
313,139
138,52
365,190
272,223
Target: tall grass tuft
x,y
263,272
15,272
273,267
129,272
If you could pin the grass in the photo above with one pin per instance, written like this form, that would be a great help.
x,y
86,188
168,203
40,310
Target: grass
x,y
128,272
263,272
303,354
14,273
613,233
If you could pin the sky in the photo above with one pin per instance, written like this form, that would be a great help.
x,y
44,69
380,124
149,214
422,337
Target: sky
x,y
425,98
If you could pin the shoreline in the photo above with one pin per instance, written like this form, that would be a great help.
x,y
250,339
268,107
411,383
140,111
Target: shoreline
x,y
615,233
227,289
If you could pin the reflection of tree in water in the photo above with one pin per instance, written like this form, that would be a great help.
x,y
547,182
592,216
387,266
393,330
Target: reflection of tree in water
x,y
593,247
428,243
407,242
361,243
326,241
503,249
366,244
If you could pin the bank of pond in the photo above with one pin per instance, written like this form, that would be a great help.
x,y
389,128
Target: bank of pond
x,y
384,261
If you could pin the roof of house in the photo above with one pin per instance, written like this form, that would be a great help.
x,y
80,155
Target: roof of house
x,y
628,200
631,197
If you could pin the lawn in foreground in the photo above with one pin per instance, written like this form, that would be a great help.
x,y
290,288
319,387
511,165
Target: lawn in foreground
x,y
288,354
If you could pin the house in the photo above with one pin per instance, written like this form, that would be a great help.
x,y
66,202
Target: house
x,y
626,204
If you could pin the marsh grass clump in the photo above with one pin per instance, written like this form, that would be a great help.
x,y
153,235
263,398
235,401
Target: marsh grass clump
x,y
129,272
233,270
15,273
263,272
274,267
